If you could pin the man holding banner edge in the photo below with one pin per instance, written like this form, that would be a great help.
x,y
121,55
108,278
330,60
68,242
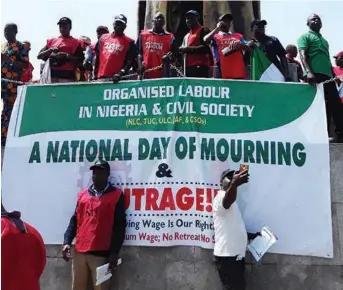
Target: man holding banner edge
x,y
315,57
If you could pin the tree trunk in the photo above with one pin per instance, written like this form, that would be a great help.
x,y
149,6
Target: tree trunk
x,y
243,12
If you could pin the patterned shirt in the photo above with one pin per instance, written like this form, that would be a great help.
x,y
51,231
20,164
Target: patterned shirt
x,y
16,51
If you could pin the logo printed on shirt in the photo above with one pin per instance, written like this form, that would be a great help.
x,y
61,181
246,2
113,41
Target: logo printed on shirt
x,y
153,46
114,47
227,41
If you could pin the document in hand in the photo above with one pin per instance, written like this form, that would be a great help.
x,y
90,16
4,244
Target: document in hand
x,y
104,273
261,244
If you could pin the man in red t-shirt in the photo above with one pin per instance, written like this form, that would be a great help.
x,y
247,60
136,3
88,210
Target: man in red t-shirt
x,y
23,255
228,49
64,52
156,47
196,53
115,52
98,226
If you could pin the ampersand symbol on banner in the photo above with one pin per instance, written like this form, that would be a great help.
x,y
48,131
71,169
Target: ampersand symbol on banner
x,y
156,110
163,171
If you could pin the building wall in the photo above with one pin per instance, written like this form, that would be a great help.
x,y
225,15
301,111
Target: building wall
x,y
188,268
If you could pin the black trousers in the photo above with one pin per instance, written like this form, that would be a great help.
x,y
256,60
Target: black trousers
x,y
199,71
334,107
231,272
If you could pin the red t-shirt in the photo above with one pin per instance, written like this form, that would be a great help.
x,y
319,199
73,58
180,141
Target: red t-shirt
x,y
338,71
27,74
112,54
95,221
153,47
23,257
64,44
194,38
232,66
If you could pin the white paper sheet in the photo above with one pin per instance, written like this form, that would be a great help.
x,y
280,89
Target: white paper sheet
x,y
261,244
45,77
104,273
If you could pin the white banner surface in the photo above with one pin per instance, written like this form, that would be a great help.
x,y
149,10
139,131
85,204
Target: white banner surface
x,y
167,142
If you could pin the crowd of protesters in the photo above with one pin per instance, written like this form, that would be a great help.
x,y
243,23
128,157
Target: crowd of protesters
x,y
218,53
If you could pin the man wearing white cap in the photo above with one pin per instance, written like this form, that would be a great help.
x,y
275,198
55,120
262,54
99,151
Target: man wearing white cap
x,y
115,52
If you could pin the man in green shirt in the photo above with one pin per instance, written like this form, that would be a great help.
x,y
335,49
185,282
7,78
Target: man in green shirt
x,y
315,57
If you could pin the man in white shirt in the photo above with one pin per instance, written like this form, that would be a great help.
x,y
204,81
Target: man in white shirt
x,y
231,237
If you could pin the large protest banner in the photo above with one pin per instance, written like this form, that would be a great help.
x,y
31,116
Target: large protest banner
x,y
167,142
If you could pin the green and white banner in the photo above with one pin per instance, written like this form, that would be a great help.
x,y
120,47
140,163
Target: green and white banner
x,y
167,142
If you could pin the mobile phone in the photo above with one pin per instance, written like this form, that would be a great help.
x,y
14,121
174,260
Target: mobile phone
x,y
243,167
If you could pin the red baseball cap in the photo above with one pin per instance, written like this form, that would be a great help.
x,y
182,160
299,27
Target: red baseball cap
x,y
339,55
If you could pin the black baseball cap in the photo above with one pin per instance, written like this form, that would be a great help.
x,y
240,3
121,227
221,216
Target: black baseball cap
x,y
121,18
226,16
64,20
192,12
226,173
102,164
258,22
